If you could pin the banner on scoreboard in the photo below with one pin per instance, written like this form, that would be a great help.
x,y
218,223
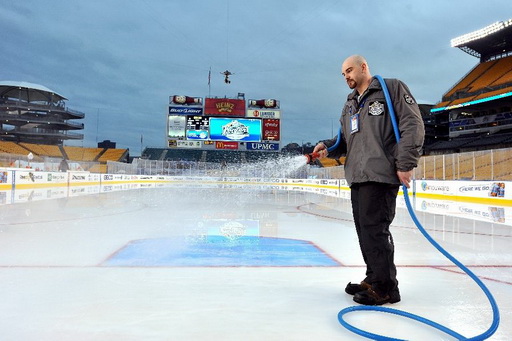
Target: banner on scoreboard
x,y
271,129
224,107
262,146
226,145
180,110
263,113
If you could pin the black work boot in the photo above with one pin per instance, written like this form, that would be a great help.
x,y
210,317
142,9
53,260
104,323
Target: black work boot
x,y
371,297
353,289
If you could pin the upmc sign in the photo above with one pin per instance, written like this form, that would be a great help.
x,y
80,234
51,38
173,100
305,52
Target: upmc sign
x,y
263,146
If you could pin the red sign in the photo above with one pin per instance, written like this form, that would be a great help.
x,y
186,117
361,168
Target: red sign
x,y
224,107
226,145
271,129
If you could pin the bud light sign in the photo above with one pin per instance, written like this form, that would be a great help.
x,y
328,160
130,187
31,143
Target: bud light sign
x,y
263,146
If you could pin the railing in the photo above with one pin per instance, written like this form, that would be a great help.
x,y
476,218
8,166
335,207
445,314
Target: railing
x,y
484,165
47,164
15,105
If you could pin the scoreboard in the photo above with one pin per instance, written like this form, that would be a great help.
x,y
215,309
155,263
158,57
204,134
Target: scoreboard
x,y
223,123
197,127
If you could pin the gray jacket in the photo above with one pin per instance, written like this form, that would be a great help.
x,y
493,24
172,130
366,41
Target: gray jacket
x,y
372,153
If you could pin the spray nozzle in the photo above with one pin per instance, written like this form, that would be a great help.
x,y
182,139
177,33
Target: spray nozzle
x,y
311,157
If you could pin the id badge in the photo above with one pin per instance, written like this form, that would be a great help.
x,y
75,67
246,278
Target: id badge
x,y
354,123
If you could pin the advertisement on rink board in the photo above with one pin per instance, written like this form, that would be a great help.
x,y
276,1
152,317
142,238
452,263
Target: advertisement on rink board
x,y
449,197
83,178
5,179
40,179
472,189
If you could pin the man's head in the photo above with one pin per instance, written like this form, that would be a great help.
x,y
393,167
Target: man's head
x,y
357,73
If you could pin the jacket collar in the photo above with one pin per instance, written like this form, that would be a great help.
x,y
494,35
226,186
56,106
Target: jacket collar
x,y
374,85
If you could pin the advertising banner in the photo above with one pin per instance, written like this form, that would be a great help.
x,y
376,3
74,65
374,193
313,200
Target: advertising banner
x,y
226,129
474,189
5,179
180,110
271,129
31,179
188,144
262,146
176,126
226,145
263,113
83,178
224,107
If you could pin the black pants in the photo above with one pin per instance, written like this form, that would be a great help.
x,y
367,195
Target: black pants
x,y
373,207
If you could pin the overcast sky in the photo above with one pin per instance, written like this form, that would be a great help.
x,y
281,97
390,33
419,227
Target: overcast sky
x,y
118,61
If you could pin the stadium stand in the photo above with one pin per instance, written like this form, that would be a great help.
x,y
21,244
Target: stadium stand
x,y
43,150
151,153
182,155
478,107
13,148
327,162
112,155
466,81
33,113
82,154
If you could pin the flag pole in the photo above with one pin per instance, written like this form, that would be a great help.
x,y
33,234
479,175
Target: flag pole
x,y
209,81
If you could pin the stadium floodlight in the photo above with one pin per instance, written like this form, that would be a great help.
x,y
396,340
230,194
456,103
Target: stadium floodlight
x,y
481,33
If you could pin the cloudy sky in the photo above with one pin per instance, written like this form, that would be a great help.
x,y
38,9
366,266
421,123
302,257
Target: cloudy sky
x,y
118,61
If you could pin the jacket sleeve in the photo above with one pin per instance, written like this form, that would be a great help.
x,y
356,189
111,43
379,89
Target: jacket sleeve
x,y
410,125
340,150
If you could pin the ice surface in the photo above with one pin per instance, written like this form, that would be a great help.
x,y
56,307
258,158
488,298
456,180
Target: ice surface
x,y
231,264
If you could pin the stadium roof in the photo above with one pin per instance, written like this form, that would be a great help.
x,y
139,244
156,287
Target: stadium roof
x,y
493,40
30,92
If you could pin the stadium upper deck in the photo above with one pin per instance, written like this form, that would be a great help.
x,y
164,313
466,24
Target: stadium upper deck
x,y
480,104
35,114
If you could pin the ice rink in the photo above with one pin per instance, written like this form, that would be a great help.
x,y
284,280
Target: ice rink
x,y
233,264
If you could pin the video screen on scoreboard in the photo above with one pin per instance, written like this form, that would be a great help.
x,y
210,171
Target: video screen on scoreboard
x,y
229,129
197,127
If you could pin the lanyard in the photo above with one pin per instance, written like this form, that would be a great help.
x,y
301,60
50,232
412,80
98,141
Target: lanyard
x,y
359,106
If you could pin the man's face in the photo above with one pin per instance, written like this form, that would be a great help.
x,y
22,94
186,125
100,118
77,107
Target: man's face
x,y
352,72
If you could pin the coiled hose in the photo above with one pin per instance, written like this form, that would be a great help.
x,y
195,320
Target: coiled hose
x,y
496,314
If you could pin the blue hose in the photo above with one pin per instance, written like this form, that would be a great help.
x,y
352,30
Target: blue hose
x,y
331,148
496,314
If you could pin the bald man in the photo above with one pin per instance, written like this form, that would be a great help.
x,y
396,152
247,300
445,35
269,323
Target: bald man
x,y
375,166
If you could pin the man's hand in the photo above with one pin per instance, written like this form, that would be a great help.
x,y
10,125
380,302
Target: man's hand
x,y
405,177
321,150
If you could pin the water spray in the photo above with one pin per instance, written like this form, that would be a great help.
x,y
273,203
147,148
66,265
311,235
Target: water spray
x,y
496,315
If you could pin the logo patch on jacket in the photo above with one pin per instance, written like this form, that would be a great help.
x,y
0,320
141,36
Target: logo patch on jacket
x,y
408,99
376,108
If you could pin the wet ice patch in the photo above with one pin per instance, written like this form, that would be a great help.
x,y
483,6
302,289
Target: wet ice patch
x,y
220,251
